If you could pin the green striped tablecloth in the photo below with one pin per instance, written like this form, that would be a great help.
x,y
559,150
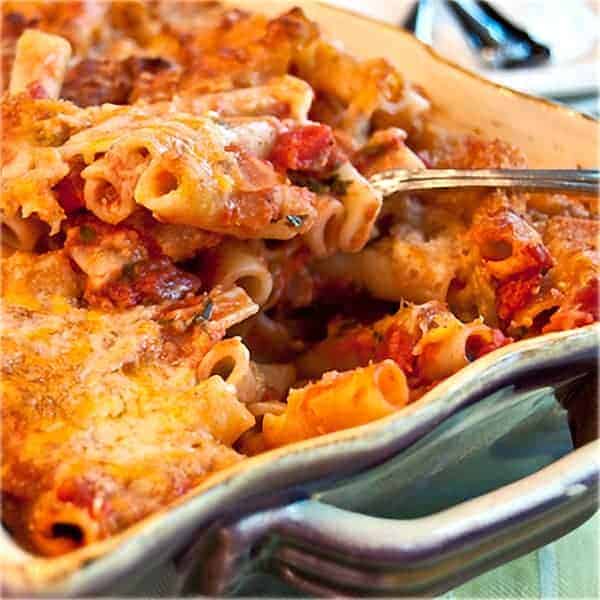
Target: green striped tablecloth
x,y
567,568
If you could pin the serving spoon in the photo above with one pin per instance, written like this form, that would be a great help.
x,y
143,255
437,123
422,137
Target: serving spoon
x,y
390,182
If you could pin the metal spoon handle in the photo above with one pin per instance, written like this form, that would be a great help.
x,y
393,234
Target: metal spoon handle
x,y
567,180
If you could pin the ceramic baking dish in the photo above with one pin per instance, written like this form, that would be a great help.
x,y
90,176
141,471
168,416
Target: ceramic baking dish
x,y
264,505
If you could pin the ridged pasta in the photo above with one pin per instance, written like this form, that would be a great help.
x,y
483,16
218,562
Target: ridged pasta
x,y
426,340
338,401
262,387
244,265
285,97
444,350
386,149
369,90
40,64
185,171
323,239
230,360
361,206
58,527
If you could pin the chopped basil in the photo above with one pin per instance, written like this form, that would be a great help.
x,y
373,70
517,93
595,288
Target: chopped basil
x,y
312,183
295,220
206,313
338,186
87,234
332,184
208,310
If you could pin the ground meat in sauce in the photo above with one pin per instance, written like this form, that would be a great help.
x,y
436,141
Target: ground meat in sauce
x,y
146,282
92,82
141,273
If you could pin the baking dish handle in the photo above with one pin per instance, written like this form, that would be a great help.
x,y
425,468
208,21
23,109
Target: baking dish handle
x,y
324,550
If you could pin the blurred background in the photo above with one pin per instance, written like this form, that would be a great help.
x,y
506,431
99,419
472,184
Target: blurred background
x,y
548,48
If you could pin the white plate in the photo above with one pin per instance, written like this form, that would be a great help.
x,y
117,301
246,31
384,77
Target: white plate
x,y
569,27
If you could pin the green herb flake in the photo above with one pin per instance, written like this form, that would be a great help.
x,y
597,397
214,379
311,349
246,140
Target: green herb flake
x,y
208,310
312,183
332,184
338,186
87,234
206,313
295,220
316,186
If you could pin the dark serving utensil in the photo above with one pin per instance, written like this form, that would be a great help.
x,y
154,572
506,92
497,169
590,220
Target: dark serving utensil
x,y
499,43
539,51
419,20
